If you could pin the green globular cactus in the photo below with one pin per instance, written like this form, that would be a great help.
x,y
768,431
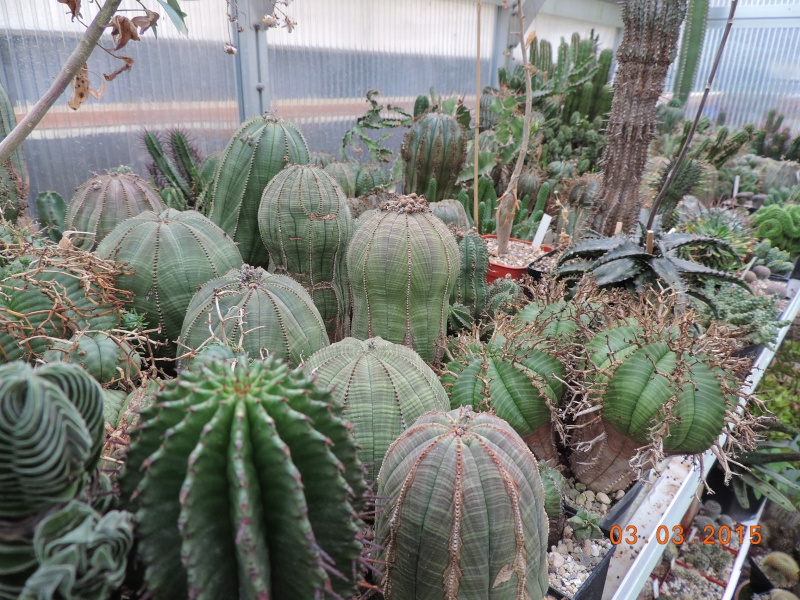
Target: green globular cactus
x,y
408,303
13,192
421,105
585,525
383,387
451,212
528,186
345,176
780,225
464,512
168,256
277,316
781,569
371,177
471,290
8,121
104,356
305,225
554,486
321,159
245,480
105,201
259,150
51,211
517,376
434,148
52,431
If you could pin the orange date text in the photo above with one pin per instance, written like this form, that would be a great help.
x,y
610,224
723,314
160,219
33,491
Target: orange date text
x,y
664,535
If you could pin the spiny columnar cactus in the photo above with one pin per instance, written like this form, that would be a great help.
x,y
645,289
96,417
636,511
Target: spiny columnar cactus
x,y
451,212
13,192
104,356
305,225
691,48
52,430
277,315
176,166
383,387
435,148
246,479
554,486
168,256
407,303
105,201
648,47
464,512
51,211
259,150
345,176
471,289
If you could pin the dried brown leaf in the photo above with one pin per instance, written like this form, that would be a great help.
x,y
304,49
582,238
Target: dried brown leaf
x,y
74,7
80,88
145,22
123,31
126,67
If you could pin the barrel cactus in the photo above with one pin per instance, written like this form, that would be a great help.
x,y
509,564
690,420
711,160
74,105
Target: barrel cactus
x,y
371,177
306,226
277,315
451,212
383,387
105,357
407,303
471,289
434,149
321,159
464,512
51,211
345,176
259,150
105,201
168,256
246,480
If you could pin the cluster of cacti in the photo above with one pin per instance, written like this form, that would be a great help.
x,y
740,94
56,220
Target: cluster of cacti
x,y
256,312
776,143
105,201
51,211
408,303
687,178
382,387
167,256
721,224
775,259
305,225
105,357
780,225
433,153
591,99
245,481
440,538
487,205
471,290
177,168
259,150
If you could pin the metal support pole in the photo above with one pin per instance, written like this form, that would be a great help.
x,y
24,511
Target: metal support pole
x,y
251,59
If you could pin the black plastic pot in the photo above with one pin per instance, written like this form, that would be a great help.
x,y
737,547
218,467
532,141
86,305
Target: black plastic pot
x,y
750,351
536,273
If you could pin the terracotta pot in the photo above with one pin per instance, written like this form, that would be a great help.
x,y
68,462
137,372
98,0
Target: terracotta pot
x,y
498,270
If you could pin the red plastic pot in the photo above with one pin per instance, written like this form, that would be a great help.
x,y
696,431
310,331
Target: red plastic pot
x,y
498,270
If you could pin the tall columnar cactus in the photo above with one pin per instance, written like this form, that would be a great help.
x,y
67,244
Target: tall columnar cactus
x,y
451,212
168,256
259,150
345,176
104,356
648,47
383,387
464,512
370,177
434,149
408,303
305,225
105,201
51,211
471,289
246,479
8,121
277,315
52,430
691,48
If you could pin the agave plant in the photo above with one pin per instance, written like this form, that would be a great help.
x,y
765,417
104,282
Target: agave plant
x,y
624,261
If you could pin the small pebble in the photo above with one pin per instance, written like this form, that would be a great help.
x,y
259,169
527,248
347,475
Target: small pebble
x,y
619,495
580,487
558,561
590,495
601,497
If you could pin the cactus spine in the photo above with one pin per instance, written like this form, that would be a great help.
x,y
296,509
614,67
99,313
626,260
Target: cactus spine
x,y
105,201
441,537
305,225
383,387
246,479
434,148
278,315
407,304
51,210
259,150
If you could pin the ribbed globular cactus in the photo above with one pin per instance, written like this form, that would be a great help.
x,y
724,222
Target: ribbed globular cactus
x,y
168,256
246,480
305,224
383,387
345,176
259,150
51,211
277,315
52,430
435,148
104,356
407,303
471,289
463,513
105,201
371,177
554,486
451,212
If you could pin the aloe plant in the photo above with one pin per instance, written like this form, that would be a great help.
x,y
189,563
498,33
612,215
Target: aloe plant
x,y
463,513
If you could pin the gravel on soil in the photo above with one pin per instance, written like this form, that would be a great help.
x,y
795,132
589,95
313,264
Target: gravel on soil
x,y
519,254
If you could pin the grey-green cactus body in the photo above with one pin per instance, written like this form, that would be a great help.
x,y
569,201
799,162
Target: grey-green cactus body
x,y
464,512
51,210
383,387
371,177
345,176
105,201
471,289
277,315
104,356
168,256
554,486
434,148
305,224
451,212
402,264
246,482
259,150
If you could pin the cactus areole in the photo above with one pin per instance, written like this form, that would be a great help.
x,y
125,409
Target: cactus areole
x,y
402,264
464,512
